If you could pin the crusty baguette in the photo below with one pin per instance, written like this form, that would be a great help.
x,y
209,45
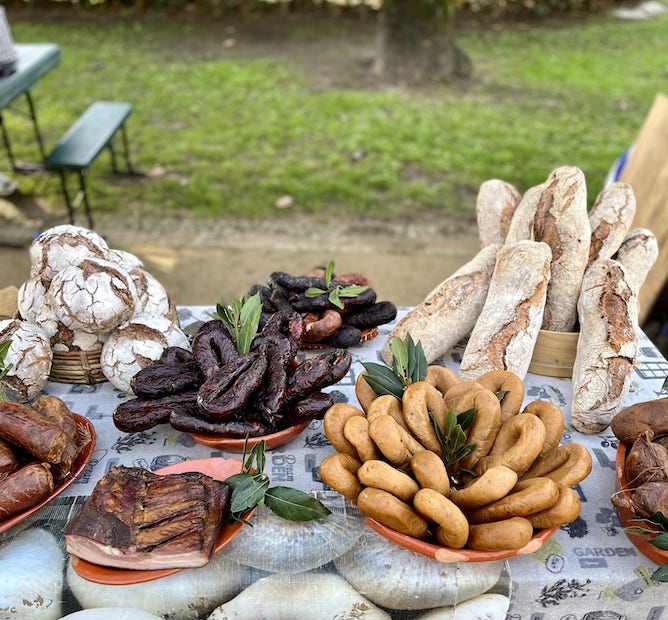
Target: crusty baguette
x,y
562,221
521,224
505,333
450,310
607,347
495,205
638,253
610,219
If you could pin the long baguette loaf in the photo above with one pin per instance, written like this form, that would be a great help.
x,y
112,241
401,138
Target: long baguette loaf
x,y
495,205
450,310
610,219
505,333
638,253
607,347
521,224
562,222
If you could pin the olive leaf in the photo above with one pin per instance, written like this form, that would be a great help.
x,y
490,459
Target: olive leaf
x,y
334,293
242,318
452,438
4,367
409,365
250,488
660,540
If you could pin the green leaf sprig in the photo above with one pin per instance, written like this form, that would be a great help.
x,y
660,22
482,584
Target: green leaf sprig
x,y
409,365
334,292
242,318
4,367
251,487
660,540
452,439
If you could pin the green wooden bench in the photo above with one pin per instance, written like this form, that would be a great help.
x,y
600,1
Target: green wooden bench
x,y
93,132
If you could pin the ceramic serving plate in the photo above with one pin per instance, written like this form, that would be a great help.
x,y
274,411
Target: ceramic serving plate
x,y
217,468
271,441
447,554
626,516
87,446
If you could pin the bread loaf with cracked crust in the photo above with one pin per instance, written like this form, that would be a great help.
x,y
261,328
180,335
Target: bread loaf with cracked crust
x,y
562,221
449,312
505,333
521,224
607,348
638,253
610,219
494,208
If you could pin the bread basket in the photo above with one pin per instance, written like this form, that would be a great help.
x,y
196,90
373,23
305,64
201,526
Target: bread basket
x,y
554,354
79,367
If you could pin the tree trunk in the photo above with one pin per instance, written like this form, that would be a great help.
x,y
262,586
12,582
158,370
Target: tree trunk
x,y
416,42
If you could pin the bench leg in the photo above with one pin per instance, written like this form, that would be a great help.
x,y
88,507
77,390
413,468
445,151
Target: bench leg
x,y
84,196
126,154
66,195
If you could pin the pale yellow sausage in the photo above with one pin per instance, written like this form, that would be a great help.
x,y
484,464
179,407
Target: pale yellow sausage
x,y
513,533
485,426
453,527
356,431
553,419
494,484
387,435
339,471
391,511
567,464
509,389
441,378
566,510
386,404
419,400
429,470
332,424
527,497
517,444
364,392
457,391
381,475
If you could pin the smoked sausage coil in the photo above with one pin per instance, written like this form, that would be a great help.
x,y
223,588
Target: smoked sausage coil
x,y
32,431
24,489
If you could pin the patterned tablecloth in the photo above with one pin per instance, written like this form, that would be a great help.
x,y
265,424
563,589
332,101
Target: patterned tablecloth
x,y
588,569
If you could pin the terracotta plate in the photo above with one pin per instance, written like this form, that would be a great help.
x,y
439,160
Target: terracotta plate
x,y
87,443
273,440
641,542
217,468
446,554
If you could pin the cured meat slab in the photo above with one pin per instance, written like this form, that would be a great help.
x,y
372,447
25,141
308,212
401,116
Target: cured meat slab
x,y
136,519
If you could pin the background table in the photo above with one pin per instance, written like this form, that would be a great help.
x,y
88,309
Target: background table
x,y
34,61
588,569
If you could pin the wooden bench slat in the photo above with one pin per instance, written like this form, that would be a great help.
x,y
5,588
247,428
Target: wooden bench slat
x,y
88,136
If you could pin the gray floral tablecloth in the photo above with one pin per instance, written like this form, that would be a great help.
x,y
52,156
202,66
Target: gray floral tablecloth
x,y
588,570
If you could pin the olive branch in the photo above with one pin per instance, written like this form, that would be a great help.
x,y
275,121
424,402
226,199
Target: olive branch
x,y
334,292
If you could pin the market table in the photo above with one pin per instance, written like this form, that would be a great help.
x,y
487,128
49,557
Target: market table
x,y
588,569
34,61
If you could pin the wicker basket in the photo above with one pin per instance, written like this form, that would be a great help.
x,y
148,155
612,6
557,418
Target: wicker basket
x,y
554,354
81,367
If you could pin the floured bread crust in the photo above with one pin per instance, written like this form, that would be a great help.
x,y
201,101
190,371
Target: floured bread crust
x,y
607,347
450,311
506,330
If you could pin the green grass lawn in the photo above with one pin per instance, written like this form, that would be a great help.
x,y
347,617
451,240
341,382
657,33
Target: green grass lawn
x,y
233,132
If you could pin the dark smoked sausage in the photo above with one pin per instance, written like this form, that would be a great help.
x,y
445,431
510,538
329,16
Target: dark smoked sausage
x,y
24,489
